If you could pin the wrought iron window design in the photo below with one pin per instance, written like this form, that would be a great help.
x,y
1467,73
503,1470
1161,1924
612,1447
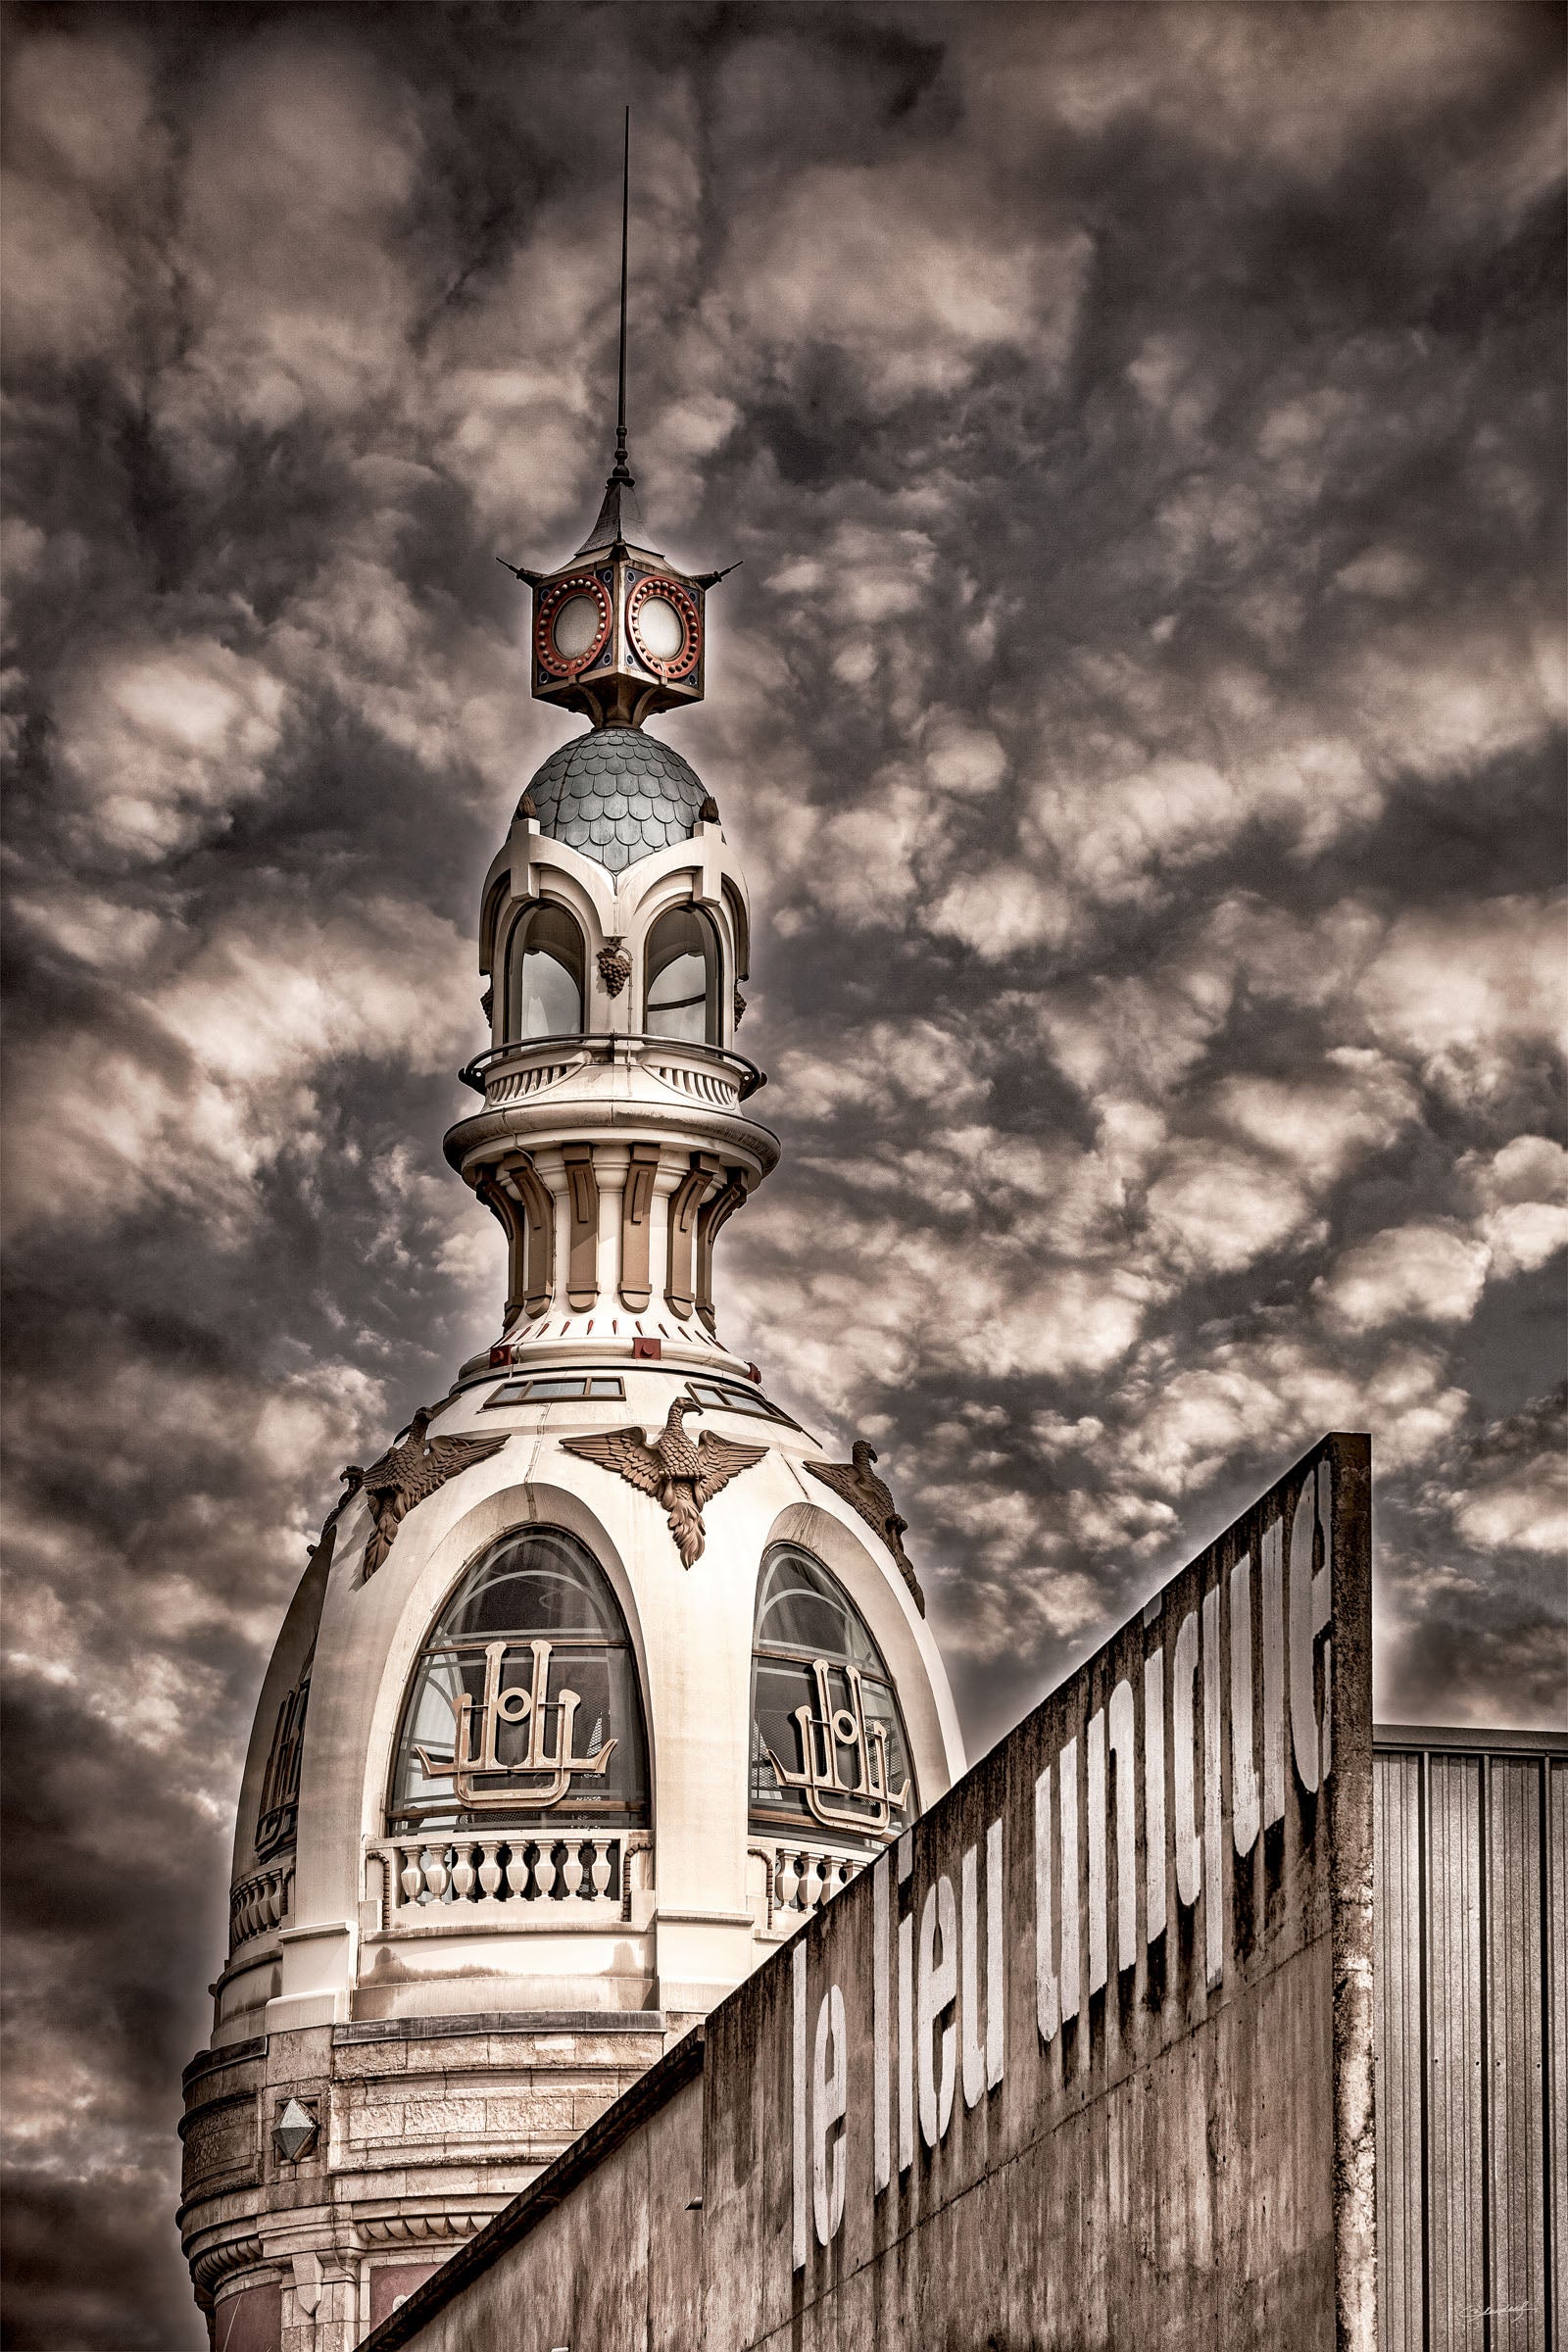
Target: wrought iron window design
x,y
278,1812
545,969
524,1706
828,1744
683,978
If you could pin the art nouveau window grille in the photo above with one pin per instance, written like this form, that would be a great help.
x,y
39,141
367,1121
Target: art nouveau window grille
x,y
829,1753
524,1710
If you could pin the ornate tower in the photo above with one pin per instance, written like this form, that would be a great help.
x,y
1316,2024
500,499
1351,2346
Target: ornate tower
x,y
603,1675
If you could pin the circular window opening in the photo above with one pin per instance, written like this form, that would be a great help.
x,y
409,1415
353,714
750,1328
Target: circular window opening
x,y
660,627
575,627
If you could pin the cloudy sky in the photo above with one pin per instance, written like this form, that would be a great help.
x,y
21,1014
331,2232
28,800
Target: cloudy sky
x,y
1139,711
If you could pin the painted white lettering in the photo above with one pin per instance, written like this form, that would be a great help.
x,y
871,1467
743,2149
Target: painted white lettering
x,y
996,1959
1067,1801
881,2028
1045,2005
1189,1853
1155,1794
936,1990
1095,1841
1120,1721
981,2035
970,2043
1244,1812
798,2102
906,2043
904,1852
1273,1674
829,2100
1309,1614
1213,1795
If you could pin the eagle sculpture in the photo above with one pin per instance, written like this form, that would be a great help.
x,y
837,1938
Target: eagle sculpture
x,y
871,1495
682,1476
406,1474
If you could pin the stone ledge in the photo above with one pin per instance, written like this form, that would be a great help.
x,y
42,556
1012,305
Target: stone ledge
x,y
498,2021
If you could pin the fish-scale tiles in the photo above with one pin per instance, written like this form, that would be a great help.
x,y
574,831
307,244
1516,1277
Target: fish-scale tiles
x,y
617,794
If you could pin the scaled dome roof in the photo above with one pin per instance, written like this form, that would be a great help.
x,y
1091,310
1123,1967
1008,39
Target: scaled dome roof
x,y
617,794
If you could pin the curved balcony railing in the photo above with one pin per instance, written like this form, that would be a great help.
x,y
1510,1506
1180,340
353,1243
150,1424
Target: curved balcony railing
x,y
523,1057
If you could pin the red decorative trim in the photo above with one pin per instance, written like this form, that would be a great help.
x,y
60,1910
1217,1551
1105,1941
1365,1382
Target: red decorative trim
x,y
682,664
546,652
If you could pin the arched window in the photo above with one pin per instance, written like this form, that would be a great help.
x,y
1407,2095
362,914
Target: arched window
x,y
544,975
682,963
828,1748
524,1706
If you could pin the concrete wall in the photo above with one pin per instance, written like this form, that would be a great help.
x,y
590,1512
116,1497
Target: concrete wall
x,y
1085,2061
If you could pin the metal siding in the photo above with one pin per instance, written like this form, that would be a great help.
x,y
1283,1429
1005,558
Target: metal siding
x,y
1555,2008
1517,2296
1471,2019
1397,2043
1453,2064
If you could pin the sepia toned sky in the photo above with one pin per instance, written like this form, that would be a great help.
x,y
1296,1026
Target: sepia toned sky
x,y
1139,710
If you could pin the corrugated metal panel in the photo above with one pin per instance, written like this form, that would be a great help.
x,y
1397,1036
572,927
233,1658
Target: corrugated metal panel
x,y
1455,2225
1396,2037
1515,2113
1556,1962
1471,1896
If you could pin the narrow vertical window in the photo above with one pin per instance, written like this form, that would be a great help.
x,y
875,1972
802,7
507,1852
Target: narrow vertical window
x,y
544,975
682,959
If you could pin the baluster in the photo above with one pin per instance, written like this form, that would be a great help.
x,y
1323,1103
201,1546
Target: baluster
x,y
572,1868
788,1881
247,1911
463,1871
517,1870
811,1884
543,1870
436,1869
600,1871
489,1868
412,1876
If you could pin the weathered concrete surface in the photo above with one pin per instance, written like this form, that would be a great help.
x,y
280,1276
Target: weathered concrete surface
x,y
1085,2062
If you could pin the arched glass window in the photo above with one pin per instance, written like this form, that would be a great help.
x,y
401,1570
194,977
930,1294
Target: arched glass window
x,y
525,1707
828,1748
683,964
544,975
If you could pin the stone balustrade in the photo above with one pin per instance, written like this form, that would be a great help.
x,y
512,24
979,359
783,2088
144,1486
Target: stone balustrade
x,y
260,1902
496,1880
802,1879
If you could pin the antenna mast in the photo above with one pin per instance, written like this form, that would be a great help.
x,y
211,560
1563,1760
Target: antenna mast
x,y
621,472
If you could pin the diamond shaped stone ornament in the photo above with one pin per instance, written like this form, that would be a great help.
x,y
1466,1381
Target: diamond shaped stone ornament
x,y
294,2131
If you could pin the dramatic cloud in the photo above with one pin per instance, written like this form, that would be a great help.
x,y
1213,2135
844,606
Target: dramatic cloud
x,y
1140,711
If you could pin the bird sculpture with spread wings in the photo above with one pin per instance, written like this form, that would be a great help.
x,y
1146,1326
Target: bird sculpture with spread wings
x,y
406,1474
872,1498
682,1476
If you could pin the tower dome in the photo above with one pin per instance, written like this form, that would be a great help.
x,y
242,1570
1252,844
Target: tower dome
x,y
604,1673
617,794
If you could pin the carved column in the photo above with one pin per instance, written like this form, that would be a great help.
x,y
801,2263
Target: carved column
x,y
710,1217
681,1287
636,1227
582,1245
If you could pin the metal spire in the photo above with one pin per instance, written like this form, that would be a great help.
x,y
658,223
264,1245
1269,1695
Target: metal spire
x,y
607,528
622,471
